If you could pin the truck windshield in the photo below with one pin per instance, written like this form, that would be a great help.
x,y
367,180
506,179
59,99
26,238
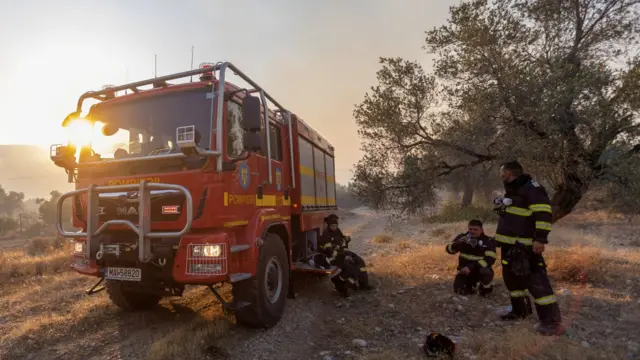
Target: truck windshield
x,y
147,126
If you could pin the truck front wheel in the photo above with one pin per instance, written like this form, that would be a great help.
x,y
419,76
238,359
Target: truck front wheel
x,y
264,295
130,301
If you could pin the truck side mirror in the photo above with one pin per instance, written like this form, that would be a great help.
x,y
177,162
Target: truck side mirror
x,y
251,141
251,114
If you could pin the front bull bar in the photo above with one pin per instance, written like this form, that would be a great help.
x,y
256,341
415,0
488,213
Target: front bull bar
x,y
143,230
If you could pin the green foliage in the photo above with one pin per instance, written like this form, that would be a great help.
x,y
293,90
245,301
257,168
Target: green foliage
x,y
48,208
345,197
7,224
452,212
10,202
553,84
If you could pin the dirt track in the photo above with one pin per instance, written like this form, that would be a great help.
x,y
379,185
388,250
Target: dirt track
x,y
52,319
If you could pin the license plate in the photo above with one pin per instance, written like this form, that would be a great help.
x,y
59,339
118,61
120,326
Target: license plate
x,y
126,274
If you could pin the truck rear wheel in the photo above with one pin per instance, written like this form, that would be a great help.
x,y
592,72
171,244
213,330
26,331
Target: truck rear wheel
x,y
267,291
130,301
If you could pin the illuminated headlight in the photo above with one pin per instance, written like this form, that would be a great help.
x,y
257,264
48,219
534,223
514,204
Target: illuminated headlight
x,y
78,247
207,251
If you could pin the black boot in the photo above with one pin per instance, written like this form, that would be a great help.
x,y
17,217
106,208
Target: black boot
x,y
345,292
551,329
521,309
485,291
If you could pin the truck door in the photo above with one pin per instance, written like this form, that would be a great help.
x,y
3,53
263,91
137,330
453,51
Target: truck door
x,y
280,173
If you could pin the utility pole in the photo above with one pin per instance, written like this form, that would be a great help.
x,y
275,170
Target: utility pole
x,y
191,80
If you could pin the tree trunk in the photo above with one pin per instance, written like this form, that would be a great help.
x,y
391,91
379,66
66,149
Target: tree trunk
x,y
563,202
467,195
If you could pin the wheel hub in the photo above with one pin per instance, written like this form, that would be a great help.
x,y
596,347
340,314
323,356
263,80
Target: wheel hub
x,y
273,280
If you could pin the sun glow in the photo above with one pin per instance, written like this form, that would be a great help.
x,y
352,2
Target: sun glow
x,y
80,132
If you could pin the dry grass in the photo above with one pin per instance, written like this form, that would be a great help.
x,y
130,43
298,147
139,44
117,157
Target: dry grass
x,y
383,238
597,285
40,257
191,341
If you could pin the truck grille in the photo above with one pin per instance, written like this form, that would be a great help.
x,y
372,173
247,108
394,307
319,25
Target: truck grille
x,y
124,206
200,265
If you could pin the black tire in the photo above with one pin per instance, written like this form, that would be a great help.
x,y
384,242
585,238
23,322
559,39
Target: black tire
x,y
130,301
263,313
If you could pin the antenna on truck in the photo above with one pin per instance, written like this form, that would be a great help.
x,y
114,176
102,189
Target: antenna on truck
x,y
191,78
155,65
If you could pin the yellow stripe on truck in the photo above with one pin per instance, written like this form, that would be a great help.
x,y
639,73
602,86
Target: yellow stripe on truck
x,y
304,170
308,200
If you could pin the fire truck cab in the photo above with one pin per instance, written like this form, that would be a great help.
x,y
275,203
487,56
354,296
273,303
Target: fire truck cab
x,y
195,183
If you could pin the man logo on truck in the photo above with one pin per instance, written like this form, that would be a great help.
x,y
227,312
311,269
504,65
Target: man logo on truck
x,y
123,211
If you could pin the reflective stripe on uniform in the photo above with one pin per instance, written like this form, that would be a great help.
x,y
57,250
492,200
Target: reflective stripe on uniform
x,y
512,240
482,263
327,245
518,293
363,269
505,262
470,257
490,254
546,300
540,207
351,280
449,249
543,225
518,211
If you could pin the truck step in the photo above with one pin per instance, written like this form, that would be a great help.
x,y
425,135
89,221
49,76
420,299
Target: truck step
x,y
239,277
300,266
238,248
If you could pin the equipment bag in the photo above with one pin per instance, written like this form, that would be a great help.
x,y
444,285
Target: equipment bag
x,y
518,259
437,344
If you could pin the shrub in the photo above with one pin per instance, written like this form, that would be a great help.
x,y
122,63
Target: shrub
x,y
452,212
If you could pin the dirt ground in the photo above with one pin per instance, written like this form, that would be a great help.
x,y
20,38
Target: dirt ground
x,y
44,314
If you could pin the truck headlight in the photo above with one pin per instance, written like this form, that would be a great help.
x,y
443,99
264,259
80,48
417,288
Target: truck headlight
x,y
78,247
207,251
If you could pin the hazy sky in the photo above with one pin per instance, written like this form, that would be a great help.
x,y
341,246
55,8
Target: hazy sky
x,y
317,58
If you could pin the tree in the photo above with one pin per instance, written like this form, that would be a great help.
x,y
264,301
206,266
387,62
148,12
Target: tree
x,y
7,224
49,208
345,198
10,202
553,84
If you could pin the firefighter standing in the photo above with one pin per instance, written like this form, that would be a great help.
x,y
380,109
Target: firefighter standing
x,y
353,271
477,255
523,227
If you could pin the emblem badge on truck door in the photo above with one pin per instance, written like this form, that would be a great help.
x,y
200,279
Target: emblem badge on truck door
x,y
278,179
243,175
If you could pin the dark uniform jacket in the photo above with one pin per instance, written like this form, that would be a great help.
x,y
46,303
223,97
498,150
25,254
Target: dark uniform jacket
x,y
332,243
474,252
528,218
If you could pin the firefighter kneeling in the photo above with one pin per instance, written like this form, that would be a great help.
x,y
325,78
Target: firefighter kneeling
x,y
353,271
477,255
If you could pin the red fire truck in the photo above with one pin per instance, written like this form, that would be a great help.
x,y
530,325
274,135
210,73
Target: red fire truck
x,y
195,183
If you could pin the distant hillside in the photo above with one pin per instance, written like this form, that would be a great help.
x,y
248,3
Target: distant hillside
x,y
28,169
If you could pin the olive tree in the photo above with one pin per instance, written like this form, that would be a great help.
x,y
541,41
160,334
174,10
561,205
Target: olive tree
x,y
553,84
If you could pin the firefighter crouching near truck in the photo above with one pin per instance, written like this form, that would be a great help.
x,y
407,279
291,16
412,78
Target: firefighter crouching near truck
x,y
353,272
523,227
477,256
